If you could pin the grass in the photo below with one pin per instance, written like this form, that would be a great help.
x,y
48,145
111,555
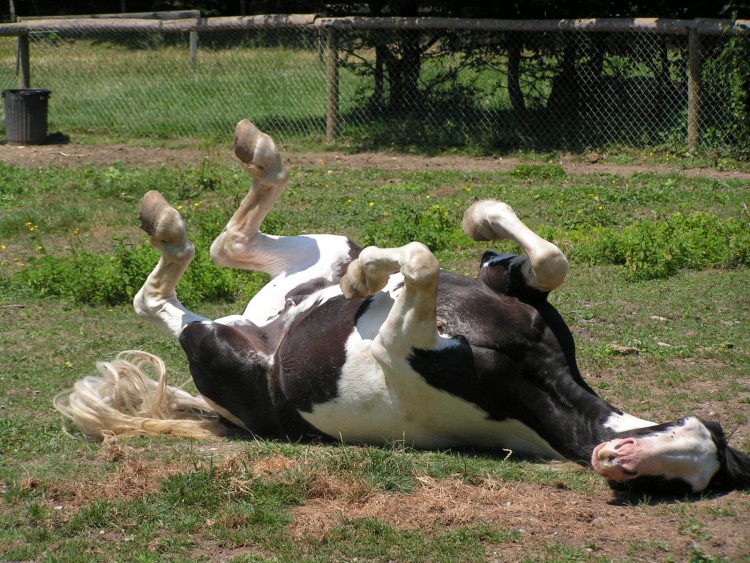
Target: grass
x,y
659,348
143,89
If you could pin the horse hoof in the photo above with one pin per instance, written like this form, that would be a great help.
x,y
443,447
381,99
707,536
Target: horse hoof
x,y
476,222
151,209
246,136
259,154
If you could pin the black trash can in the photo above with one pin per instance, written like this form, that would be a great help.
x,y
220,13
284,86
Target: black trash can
x,y
26,116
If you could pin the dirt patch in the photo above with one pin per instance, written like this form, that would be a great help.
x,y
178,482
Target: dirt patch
x,y
541,516
537,518
73,155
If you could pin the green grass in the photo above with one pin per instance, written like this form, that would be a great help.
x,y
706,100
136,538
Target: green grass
x,y
143,89
151,500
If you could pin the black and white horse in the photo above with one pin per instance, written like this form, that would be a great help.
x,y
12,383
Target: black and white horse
x,y
379,344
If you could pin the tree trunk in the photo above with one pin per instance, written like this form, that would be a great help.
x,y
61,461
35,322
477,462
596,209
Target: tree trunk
x,y
565,93
514,77
404,72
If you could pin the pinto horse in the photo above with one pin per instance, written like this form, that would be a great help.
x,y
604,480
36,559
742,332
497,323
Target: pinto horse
x,y
379,344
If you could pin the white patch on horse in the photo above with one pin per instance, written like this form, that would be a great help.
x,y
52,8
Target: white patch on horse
x,y
685,451
368,409
270,301
368,325
623,422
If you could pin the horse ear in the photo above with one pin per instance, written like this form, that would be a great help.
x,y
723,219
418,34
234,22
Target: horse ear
x,y
494,271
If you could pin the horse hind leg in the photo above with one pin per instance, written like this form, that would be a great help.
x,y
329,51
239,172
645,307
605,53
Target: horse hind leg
x,y
241,244
494,220
157,300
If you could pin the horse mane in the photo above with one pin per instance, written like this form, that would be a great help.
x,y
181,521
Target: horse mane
x,y
124,400
734,469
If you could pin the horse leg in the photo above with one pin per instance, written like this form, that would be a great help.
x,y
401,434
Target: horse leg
x,y
494,220
157,300
290,260
411,322
241,244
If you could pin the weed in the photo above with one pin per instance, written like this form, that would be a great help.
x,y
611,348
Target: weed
x,y
436,226
659,249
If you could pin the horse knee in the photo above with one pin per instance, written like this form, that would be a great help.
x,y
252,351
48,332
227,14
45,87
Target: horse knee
x,y
550,267
419,264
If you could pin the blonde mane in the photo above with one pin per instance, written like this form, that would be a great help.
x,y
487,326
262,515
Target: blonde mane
x,y
124,400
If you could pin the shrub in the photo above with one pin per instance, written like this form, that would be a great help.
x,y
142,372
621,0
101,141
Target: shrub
x,y
659,249
94,279
435,227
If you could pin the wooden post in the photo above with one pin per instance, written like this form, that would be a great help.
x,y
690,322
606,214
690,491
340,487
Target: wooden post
x,y
332,64
24,67
695,64
194,44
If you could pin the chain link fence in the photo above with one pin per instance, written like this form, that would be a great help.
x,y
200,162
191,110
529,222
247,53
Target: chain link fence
x,y
383,83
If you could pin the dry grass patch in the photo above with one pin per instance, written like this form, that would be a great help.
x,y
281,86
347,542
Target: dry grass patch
x,y
543,515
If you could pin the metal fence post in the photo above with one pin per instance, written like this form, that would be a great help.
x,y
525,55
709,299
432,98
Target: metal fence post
x,y
332,64
24,66
695,64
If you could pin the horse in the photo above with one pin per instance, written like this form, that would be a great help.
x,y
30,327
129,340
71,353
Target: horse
x,y
374,345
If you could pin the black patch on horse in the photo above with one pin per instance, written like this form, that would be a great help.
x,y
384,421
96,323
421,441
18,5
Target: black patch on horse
x,y
230,368
311,356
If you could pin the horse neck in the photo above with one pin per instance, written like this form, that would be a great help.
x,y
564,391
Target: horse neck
x,y
581,420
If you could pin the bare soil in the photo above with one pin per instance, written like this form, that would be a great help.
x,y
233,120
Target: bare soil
x,y
600,523
72,155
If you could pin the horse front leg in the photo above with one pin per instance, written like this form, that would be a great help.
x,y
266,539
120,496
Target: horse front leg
x,y
411,322
547,266
157,300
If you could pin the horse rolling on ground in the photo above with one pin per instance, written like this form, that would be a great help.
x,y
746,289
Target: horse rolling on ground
x,y
379,344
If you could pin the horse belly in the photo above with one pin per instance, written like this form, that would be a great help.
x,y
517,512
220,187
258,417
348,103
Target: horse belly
x,y
375,408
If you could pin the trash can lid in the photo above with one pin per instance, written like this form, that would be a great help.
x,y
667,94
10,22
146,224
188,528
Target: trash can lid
x,y
28,92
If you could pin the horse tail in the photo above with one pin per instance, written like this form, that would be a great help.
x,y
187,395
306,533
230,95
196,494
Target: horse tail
x,y
124,400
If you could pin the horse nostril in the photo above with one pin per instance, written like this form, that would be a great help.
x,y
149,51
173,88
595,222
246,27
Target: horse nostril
x,y
624,442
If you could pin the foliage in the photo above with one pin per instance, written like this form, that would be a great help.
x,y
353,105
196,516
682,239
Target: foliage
x,y
659,249
435,226
727,77
97,279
